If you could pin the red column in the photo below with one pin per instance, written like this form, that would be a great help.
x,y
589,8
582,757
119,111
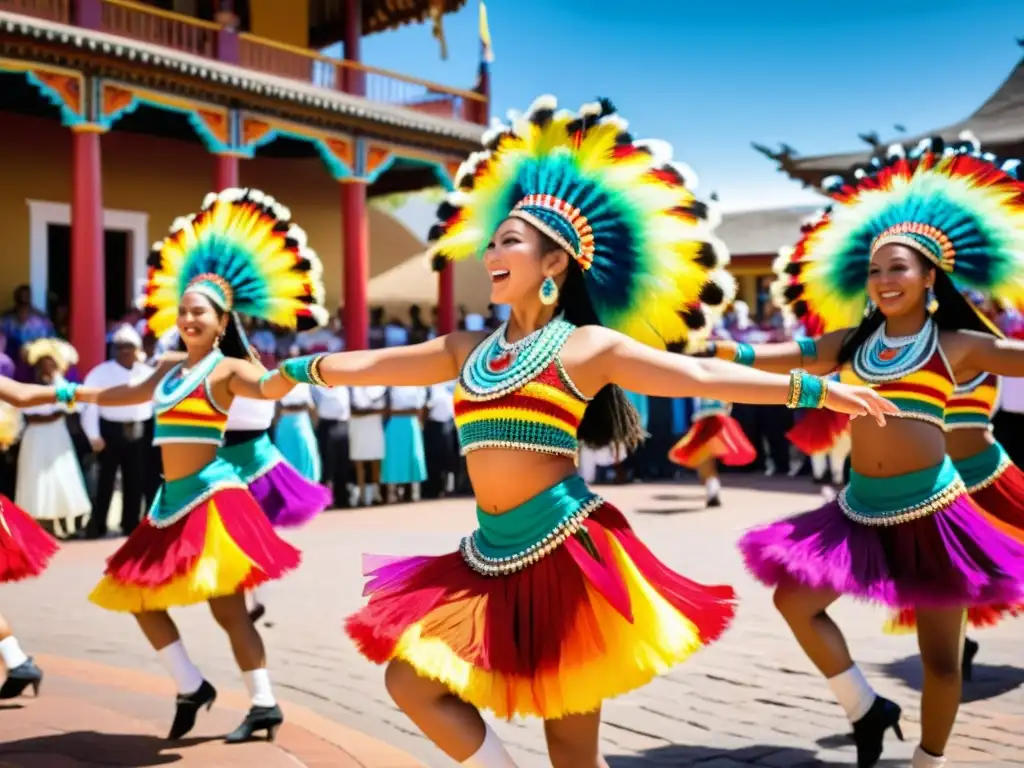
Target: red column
x,y
88,296
353,78
225,172
446,299
355,238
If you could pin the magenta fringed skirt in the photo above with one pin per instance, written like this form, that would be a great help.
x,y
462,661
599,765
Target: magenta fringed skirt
x,y
286,497
912,540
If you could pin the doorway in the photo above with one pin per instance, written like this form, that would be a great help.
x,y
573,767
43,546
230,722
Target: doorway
x,y
117,257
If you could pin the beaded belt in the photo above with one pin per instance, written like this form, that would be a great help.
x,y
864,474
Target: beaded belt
x,y
983,469
900,499
510,542
177,498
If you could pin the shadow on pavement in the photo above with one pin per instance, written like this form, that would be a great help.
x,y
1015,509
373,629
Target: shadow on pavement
x,y
989,681
91,748
684,756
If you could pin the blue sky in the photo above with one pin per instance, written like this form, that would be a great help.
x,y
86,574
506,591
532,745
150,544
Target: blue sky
x,y
712,77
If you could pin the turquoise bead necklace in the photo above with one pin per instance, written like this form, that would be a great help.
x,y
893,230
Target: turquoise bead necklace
x,y
173,388
498,367
882,358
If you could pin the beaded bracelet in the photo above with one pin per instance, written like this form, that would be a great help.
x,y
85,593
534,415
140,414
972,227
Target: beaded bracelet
x,y
805,390
65,393
744,354
808,349
303,370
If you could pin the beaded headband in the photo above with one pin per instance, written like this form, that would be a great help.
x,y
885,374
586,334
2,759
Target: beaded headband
x,y
215,288
929,241
562,222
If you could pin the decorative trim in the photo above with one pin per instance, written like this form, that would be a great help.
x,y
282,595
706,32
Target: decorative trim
x,y
136,53
212,123
63,88
42,213
376,157
337,150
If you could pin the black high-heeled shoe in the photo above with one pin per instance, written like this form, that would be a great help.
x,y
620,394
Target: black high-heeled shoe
x,y
257,612
970,651
188,706
21,677
869,731
258,719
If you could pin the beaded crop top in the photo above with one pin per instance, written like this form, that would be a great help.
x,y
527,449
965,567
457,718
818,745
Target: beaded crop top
x,y
973,403
911,372
185,411
518,396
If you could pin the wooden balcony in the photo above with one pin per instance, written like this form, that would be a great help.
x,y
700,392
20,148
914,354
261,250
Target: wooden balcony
x,y
210,40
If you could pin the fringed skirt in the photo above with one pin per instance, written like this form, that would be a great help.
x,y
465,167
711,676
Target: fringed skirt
x,y
25,548
286,497
713,437
295,439
913,540
204,537
545,610
996,486
817,431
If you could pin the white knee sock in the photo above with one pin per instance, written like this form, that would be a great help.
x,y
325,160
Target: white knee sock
x,y
923,760
11,653
186,675
853,692
491,754
257,682
712,487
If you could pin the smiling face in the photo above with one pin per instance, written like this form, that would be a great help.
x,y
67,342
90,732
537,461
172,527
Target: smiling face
x,y
518,258
198,322
898,280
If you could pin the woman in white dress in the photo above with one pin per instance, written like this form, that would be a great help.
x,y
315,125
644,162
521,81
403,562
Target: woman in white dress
x,y
50,485
366,440
405,462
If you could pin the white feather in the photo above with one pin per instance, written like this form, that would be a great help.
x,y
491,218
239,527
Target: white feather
x,y
542,103
590,109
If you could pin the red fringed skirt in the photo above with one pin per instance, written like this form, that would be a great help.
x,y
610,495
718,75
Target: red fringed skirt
x,y
816,431
717,436
205,537
548,629
25,548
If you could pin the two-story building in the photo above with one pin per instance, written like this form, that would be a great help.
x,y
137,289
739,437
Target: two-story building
x,y
117,116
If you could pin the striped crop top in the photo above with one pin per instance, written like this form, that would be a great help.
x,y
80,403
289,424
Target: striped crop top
x,y
973,403
518,396
185,411
920,393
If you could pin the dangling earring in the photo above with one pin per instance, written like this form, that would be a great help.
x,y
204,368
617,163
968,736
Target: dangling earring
x,y
932,304
216,341
869,308
548,291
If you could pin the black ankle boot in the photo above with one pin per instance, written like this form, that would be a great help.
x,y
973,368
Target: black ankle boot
x,y
188,706
970,651
869,731
258,719
20,678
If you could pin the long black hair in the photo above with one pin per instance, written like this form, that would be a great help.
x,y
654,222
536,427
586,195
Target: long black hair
x,y
234,342
954,313
610,418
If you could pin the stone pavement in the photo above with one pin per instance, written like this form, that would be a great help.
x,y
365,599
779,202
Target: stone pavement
x,y
752,699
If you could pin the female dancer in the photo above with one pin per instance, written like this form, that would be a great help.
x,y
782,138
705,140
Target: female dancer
x,y
25,551
206,538
715,436
50,485
904,533
554,605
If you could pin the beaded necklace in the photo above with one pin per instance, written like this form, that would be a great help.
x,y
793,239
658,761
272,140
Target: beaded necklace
x,y
882,358
497,367
173,388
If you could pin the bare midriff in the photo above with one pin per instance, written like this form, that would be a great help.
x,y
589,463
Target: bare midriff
x,y
503,479
900,447
184,459
968,442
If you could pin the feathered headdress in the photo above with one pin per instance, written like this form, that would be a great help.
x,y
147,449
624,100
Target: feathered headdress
x,y
243,253
960,208
58,350
619,207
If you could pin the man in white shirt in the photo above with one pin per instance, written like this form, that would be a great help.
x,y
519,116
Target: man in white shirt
x,y
333,411
118,435
440,442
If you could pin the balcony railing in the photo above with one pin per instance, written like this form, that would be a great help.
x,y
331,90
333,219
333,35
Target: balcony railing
x,y
210,40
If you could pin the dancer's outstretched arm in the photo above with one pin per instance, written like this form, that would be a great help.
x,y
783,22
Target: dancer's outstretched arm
x,y
597,356
819,356
974,351
23,395
416,365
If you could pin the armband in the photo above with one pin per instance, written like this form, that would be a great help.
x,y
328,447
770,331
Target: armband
x,y
744,354
806,391
64,393
808,349
303,370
